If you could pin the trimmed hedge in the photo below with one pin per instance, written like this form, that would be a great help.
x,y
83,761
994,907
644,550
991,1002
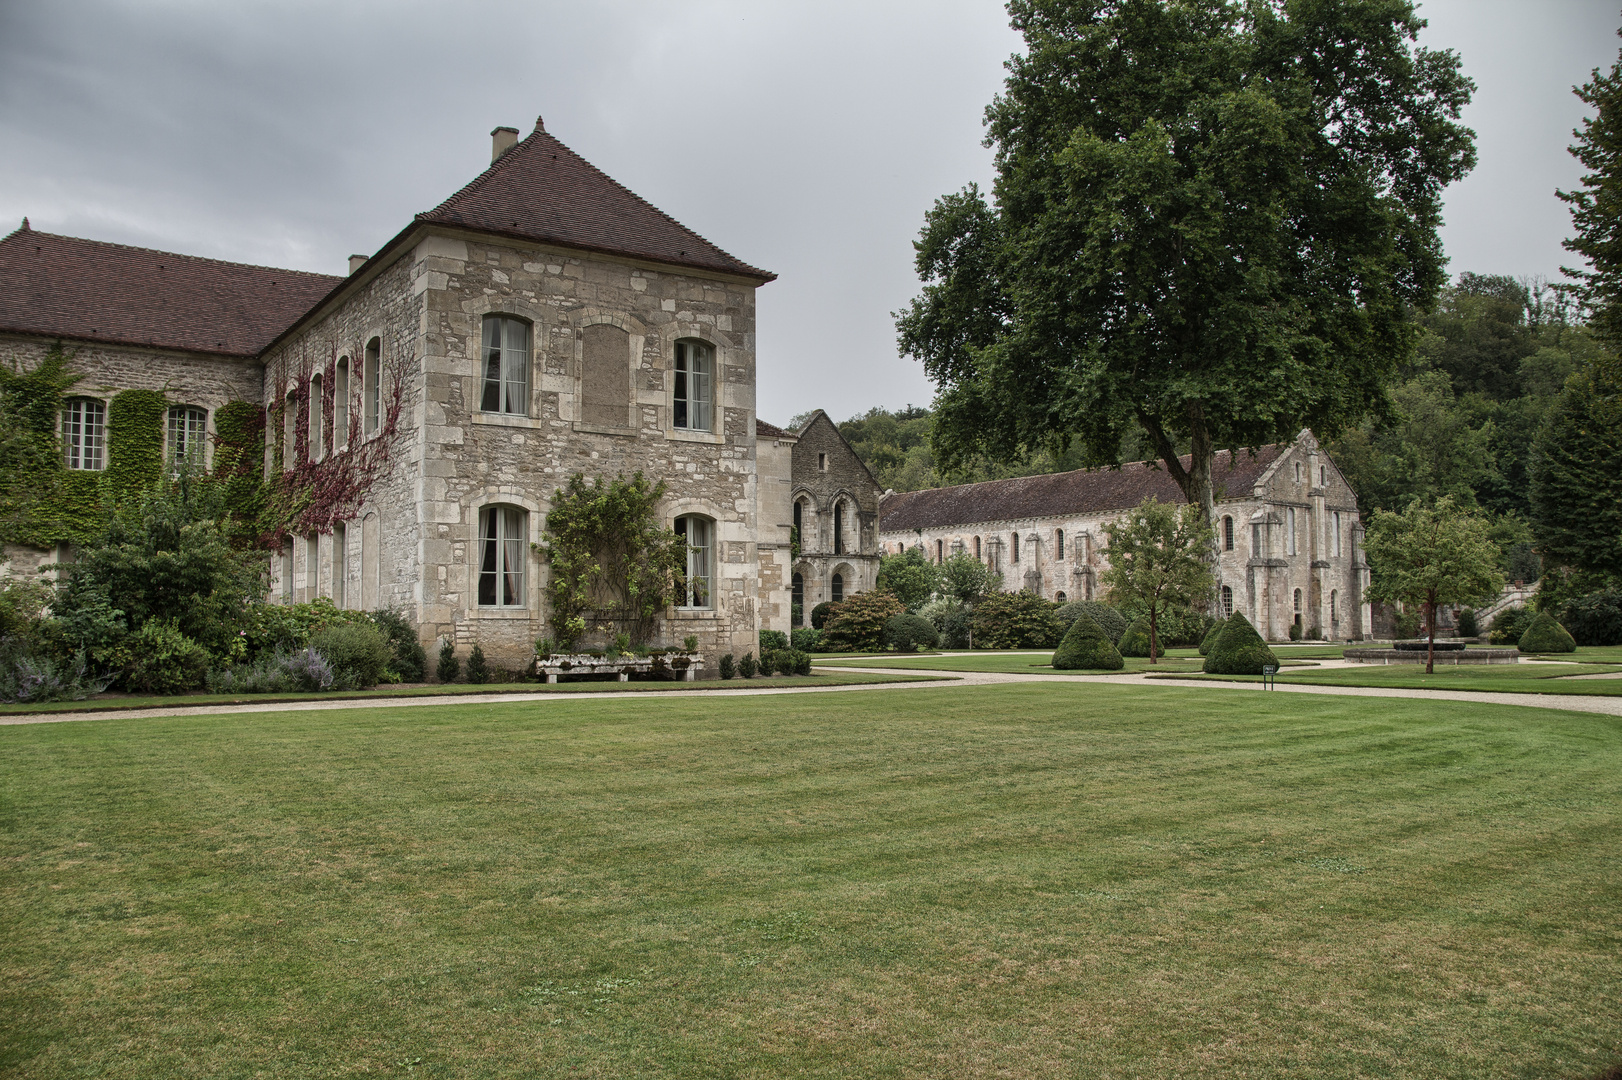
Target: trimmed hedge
x,y
1135,642
909,633
1546,636
1211,637
1086,647
1112,622
1239,650
359,652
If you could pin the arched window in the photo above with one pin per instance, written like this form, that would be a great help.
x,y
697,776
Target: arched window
x,y
940,551
699,533
799,600
799,523
1058,544
839,526
1334,607
340,403
84,434
838,588
290,431
506,365
692,405
1227,602
287,574
1298,472
502,535
1015,548
976,547
317,403
188,426
372,386
1323,475
1058,597
1227,534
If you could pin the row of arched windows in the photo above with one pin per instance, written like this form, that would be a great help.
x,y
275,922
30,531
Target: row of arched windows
x,y
84,435
844,526
342,393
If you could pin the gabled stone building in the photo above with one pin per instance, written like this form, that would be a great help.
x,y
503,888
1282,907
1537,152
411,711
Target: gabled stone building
x,y
1289,537
835,518
541,322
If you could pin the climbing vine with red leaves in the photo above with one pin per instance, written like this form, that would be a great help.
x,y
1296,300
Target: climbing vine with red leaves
x,y
313,495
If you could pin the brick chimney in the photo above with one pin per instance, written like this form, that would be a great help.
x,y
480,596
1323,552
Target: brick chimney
x,y
502,139
357,261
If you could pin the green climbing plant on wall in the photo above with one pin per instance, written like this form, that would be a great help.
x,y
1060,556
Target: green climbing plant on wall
x,y
610,556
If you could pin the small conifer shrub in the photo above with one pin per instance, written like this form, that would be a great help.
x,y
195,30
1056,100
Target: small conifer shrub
x,y
1239,650
729,666
1546,636
449,666
1135,642
1087,648
478,672
746,666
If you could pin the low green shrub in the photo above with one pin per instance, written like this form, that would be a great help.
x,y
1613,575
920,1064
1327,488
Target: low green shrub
x,y
806,640
729,666
1135,642
359,652
773,639
1211,636
1016,620
746,666
820,614
909,633
162,660
408,660
1086,647
1112,622
31,677
1239,650
1546,636
1467,622
478,672
1508,626
1295,631
449,667
1595,618
951,620
802,662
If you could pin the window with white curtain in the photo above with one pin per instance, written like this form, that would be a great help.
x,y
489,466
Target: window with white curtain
x,y
502,536
506,365
693,401
699,533
84,434
188,428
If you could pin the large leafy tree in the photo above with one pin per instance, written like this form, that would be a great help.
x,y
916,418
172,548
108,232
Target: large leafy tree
x,y
1157,562
1576,473
1434,552
1211,221
1596,206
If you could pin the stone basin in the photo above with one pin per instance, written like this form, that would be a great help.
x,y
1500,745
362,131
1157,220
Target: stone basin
x,y
1459,655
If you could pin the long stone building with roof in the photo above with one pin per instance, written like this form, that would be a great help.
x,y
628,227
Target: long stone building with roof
x,y
1288,533
541,322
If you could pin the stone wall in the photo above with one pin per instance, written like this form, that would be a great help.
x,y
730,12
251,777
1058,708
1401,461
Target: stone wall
x,y
774,461
828,474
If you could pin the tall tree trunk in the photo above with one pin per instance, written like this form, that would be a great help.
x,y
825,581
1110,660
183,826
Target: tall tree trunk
x,y
1430,620
1153,639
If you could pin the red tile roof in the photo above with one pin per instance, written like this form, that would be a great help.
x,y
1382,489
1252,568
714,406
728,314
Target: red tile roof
x,y
763,430
85,290
541,190
1085,491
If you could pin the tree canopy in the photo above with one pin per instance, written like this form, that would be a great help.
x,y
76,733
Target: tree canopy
x,y
1210,222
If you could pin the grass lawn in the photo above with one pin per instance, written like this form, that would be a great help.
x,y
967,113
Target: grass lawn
x,y
1020,881
120,702
1585,654
1522,678
1016,663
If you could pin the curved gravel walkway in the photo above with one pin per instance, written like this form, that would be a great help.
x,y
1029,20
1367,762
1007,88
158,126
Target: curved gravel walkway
x,y
1611,706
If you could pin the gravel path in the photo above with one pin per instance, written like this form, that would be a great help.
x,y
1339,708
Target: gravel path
x,y
1573,703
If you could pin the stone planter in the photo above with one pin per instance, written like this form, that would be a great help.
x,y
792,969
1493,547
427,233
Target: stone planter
x,y
683,665
1449,656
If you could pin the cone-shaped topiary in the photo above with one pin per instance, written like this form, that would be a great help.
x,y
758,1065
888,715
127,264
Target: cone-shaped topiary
x,y
1087,648
1210,639
1239,651
1546,635
1135,642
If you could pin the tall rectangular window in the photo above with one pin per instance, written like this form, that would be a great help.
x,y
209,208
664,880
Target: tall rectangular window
x,y
372,386
699,533
501,556
506,365
1336,541
84,434
188,427
1058,544
1014,557
340,403
694,395
1227,534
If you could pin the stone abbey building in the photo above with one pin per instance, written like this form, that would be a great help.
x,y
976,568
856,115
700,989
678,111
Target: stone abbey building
x,y
1288,533
541,322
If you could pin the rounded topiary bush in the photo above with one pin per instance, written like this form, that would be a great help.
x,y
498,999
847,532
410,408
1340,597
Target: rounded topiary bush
x,y
359,652
1135,641
1211,637
909,633
1239,650
819,615
1112,622
1087,648
1546,636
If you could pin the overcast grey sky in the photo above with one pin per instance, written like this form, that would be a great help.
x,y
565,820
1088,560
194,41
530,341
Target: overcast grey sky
x,y
808,138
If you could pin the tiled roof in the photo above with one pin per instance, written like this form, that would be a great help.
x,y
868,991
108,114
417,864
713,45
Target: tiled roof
x,y
541,190
763,430
1085,491
85,290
